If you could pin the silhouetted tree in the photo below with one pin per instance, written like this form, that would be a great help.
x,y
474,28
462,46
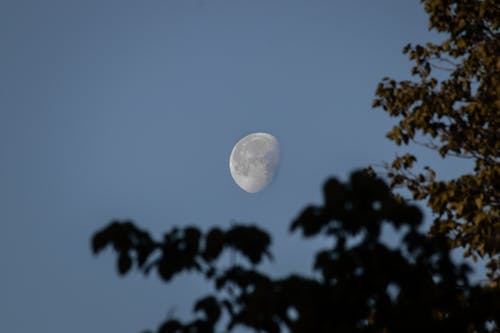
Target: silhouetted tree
x,y
452,105
360,285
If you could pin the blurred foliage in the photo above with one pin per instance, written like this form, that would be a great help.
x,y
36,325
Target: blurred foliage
x,y
357,286
359,283
452,106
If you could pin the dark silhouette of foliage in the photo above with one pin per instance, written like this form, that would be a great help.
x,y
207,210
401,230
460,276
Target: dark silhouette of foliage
x,y
181,250
360,284
452,105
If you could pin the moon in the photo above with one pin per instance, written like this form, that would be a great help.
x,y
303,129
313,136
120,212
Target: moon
x,y
254,161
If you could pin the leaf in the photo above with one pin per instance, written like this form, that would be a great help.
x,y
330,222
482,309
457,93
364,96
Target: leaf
x,y
210,307
251,241
214,244
99,242
124,263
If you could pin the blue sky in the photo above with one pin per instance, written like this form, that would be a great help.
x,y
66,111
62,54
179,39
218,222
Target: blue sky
x,y
130,109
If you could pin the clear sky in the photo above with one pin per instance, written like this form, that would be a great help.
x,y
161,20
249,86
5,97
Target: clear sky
x,y
130,109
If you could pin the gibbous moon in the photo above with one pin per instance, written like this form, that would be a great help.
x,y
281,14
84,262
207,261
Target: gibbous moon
x,y
254,161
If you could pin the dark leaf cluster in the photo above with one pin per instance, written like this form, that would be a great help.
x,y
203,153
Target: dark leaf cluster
x,y
186,249
452,106
361,286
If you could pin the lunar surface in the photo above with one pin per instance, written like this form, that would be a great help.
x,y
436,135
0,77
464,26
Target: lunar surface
x,y
254,161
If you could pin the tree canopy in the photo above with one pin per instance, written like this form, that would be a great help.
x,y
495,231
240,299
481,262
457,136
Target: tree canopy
x,y
359,283
452,105
361,286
